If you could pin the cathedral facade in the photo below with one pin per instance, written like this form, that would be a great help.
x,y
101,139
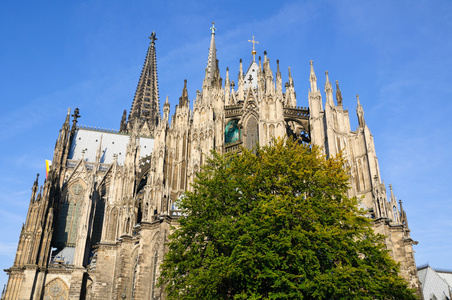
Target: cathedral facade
x,y
97,227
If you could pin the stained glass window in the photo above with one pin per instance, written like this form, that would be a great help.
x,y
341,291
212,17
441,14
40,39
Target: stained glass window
x,y
232,132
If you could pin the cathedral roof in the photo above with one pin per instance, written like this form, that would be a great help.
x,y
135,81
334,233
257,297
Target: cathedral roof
x,y
435,283
86,142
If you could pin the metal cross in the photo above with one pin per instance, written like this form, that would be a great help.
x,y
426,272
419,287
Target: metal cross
x,y
213,28
254,42
76,115
153,37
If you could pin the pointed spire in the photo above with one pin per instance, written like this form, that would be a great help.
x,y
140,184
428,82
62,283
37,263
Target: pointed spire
x,y
123,124
278,79
338,95
313,78
227,88
183,100
146,105
392,193
68,116
328,90
290,78
166,102
360,113
62,138
212,58
34,189
241,68
241,83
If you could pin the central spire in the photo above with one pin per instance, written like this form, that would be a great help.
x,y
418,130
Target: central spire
x,y
212,58
146,106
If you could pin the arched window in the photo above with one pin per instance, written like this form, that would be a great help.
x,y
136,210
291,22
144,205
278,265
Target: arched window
x,y
252,132
69,216
396,215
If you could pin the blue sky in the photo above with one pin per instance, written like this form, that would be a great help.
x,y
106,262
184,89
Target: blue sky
x,y
88,54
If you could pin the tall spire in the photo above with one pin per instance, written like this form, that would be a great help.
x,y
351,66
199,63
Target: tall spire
x,y
183,100
328,90
360,113
212,63
146,106
313,78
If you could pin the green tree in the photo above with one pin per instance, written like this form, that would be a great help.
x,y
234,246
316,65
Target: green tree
x,y
276,224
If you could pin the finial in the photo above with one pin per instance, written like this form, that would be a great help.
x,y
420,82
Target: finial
x,y
327,78
67,116
254,50
153,37
357,99
213,28
313,78
338,94
167,100
76,115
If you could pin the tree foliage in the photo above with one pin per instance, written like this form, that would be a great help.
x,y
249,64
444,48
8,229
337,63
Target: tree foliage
x,y
276,224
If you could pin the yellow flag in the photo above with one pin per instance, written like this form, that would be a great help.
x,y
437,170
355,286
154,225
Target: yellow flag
x,y
48,164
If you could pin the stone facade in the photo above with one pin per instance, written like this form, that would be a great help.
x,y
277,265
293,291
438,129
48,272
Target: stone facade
x,y
97,228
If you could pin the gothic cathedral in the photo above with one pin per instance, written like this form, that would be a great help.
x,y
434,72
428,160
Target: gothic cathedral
x,y
97,227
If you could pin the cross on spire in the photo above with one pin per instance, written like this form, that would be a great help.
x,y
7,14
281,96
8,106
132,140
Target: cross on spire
x,y
254,50
153,37
213,28
76,115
